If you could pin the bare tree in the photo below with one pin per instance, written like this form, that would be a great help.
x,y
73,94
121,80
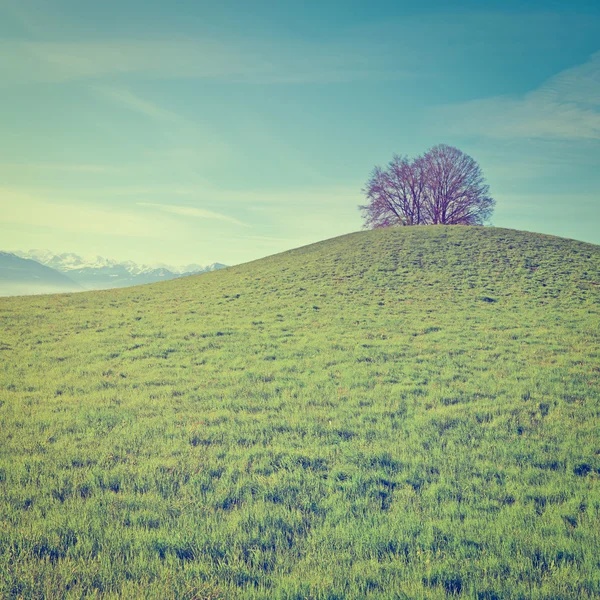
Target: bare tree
x,y
457,193
396,195
445,186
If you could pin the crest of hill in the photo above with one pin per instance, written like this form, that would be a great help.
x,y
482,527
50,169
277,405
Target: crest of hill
x,y
430,263
419,263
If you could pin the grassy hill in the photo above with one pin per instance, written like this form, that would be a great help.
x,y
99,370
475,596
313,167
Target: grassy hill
x,y
395,413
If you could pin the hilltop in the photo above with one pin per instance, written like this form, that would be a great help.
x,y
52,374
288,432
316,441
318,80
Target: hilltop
x,y
408,412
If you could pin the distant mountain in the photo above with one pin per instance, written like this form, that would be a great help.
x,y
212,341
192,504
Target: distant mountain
x,y
101,273
21,276
212,267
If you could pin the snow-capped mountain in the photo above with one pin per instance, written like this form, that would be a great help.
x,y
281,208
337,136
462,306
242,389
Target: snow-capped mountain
x,y
195,268
102,273
22,276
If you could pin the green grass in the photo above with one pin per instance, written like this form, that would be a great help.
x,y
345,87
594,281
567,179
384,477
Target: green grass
x,y
401,413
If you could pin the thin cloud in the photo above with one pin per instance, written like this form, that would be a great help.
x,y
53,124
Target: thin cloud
x,y
150,191
174,126
64,167
567,107
137,104
266,238
247,61
192,211
29,209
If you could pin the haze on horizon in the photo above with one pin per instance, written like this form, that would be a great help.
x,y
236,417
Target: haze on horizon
x,y
202,133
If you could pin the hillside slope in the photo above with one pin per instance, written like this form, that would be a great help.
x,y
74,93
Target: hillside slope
x,y
394,413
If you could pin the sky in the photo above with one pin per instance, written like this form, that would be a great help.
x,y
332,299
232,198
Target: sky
x,y
196,131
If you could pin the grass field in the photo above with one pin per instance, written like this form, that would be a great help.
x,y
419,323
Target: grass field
x,y
401,413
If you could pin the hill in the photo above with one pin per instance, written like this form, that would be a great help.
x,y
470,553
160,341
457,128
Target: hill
x,y
20,276
394,413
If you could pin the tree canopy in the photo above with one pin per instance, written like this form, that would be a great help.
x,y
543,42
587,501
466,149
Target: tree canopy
x,y
444,186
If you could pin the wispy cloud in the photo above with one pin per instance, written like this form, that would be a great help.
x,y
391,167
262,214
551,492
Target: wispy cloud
x,y
251,61
192,211
567,107
31,209
207,144
265,238
134,102
61,167
158,190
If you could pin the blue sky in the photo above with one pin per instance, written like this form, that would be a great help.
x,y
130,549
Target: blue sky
x,y
190,132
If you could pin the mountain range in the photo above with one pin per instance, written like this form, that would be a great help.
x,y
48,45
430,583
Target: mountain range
x,y
43,271
22,276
